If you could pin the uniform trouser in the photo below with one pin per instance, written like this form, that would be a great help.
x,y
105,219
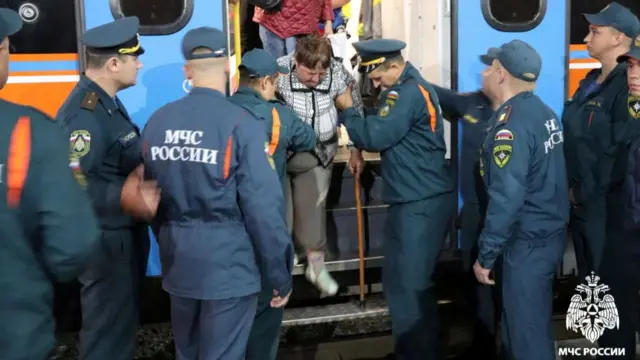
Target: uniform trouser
x,y
620,269
264,338
212,329
415,236
588,223
529,268
306,197
110,295
483,299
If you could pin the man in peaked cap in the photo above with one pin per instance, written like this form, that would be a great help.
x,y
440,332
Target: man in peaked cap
x,y
407,129
46,222
474,110
523,169
105,140
216,226
286,132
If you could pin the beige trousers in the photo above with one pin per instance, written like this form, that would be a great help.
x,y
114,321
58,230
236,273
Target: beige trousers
x,y
306,189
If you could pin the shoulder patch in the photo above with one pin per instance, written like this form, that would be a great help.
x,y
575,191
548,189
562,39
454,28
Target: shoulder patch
x,y
504,134
90,101
633,104
384,111
80,143
502,154
504,114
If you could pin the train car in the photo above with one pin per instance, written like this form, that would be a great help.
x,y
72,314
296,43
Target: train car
x,y
444,40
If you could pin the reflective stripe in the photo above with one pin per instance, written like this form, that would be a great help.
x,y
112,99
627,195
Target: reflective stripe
x,y
227,158
19,158
275,132
433,118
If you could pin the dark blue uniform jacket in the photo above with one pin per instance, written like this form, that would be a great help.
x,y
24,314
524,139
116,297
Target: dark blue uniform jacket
x,y
285,130
48,230
523,168
595,122
218,194
107,142
407,130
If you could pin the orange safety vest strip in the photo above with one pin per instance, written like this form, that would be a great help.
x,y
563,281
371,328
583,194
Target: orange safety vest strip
x,y
227,158
430,108
19,158
275,132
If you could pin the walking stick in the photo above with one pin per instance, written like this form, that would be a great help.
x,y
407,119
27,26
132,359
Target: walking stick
x,y
360,237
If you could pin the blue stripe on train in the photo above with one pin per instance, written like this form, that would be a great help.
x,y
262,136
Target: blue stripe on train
x,y
579,54
56,65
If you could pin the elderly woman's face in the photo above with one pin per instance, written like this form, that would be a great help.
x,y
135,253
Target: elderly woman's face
x,y
310,77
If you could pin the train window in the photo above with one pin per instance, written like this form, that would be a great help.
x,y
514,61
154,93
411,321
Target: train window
x,y
157,17
49,26
514,15
579,25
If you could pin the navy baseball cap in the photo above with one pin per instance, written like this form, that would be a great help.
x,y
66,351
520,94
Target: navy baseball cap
x,y
259,63
617,17
10,22
520,60
117,37
634,52
204,37
491,54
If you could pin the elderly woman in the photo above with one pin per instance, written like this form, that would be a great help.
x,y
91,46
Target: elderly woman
x,y
310,89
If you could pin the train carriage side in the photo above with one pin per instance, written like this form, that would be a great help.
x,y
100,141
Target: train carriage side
x,y
46,64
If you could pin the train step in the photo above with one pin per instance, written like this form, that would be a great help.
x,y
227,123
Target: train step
x,y
334,312
351,261
374,306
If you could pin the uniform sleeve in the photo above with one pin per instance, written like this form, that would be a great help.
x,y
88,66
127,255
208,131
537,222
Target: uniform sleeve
x,y
379,132
68,226
346,80
303,137
87,143
259,192
508,169
454,105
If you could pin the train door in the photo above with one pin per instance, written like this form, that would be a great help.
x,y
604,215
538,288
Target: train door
x,y
487,23
161,79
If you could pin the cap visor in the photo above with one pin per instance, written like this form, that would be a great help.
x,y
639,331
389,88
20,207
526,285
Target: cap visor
x,y
596,19
140,51
12,20
283,70
630,54
486,59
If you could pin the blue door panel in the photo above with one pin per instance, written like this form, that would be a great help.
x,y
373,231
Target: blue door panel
x,y
475,36
161,78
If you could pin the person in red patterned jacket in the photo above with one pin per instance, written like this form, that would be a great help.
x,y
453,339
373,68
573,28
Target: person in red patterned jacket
x,y
278,30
